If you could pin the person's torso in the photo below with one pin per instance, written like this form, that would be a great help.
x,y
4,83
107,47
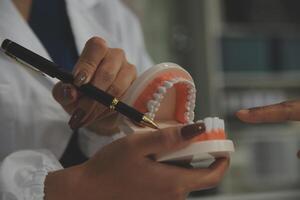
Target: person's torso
x,y
30,117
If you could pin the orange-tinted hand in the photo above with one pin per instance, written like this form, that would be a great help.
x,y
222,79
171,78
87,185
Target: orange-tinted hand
x,y
285,111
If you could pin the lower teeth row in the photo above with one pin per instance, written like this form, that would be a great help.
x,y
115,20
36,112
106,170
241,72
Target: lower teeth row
x,y
153,105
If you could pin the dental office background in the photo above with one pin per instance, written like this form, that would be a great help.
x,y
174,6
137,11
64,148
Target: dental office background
x,y
241,53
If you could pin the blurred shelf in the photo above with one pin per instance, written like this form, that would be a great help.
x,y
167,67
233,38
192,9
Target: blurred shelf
x,y
263,80
279,195
245,29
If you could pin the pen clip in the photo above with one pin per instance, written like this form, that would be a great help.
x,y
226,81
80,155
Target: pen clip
x,y
26,65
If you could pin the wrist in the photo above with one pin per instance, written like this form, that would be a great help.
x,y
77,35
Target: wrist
x,y
63,184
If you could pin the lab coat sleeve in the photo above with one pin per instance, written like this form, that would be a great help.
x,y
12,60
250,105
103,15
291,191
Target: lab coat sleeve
x,y
22,174
134,39
90,142
143,59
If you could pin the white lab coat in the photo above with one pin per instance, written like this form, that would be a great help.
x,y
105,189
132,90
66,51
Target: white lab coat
x,y
29,116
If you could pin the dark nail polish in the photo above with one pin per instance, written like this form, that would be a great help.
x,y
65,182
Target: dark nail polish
x,y
80,78
76,119
190,131
298,154
67,94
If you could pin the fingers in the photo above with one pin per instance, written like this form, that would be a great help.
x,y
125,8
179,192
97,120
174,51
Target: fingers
x,y
109,69
123,80
66,95
165,140
114,75
285,111
86,111
196,179
105,68
92,55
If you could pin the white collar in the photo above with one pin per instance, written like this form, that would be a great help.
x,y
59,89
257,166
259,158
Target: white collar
x,y
91,3
14,27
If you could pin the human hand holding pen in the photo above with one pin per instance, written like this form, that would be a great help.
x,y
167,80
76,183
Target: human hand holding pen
x,y
125,169
285,111
107,69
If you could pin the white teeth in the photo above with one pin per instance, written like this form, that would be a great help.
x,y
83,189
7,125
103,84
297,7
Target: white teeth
x,y
192,107
188,105
191,115
150,115
192,92
174,80
216,124
157,96
151,105
191,97
156,104
168,84
162,90
187,117
208,124
150,108
222,124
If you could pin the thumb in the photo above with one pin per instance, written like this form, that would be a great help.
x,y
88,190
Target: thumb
x,y
168,139
65,94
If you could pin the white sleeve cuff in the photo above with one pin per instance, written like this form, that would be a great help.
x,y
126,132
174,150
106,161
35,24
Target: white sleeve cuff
x,y
90,142
22,174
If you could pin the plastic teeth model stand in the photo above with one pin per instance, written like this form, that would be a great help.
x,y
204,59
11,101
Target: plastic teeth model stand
x,y
167,94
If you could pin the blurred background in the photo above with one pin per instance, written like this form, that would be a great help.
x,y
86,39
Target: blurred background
x,y
241,53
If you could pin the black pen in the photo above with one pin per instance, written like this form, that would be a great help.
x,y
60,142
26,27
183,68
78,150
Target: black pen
x,y
43,65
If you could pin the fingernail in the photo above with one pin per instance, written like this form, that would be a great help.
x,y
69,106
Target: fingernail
x,y
76,118
298,154
67,95
80,78
244,111
190,131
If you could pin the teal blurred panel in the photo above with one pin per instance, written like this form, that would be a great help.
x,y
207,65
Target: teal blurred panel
x,y
245,54
291,54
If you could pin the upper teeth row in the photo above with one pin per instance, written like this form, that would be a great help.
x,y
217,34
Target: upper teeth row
x,y
213,124
189,115
153,105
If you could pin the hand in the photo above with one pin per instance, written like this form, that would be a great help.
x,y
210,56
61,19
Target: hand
x,y
126,170
285,111
105,68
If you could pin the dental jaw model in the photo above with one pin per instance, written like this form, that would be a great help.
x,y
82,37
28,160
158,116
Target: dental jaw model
x,y
167,94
